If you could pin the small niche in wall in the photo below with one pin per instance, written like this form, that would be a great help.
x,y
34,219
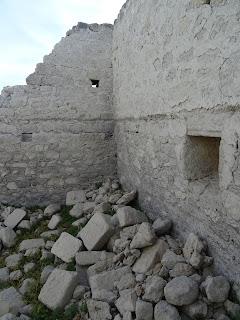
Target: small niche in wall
x,y
26,137
201,157
95,83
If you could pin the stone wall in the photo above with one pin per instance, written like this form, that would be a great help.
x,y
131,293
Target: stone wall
x,y
56,133
177,100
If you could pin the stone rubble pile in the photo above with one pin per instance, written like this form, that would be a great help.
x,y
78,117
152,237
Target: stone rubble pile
x,y
126,266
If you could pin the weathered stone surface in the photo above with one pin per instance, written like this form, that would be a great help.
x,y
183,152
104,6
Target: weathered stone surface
x,y
31,244
165,311
15,275
127,301
51,209
54,222
181,269
154,289
192,251
127,198
181,291
150,256
170,259
145,237
197,310
127,281
233,309
129,216
24,224
4,275
11,297
99,310
26,286
58,289
14,218
97,232
66,247
8,237
87,258
144,310
216,288
74,197
162,226
45,273
77,210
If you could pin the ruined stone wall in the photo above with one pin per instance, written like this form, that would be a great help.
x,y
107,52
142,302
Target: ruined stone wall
x,y
177,100
56,133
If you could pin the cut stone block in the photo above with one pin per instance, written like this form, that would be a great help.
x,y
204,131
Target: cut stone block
x,y
129,216
15,218
31,244
97,232
87,258
150,256
74,197
66,247
58,289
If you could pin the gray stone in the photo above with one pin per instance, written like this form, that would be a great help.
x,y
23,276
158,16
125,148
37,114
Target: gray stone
x,y
13,260
154,287
24,224
31,244
129,216
8,237
144,310
77,210
4,275
162,226
150,256
26,286
164,311
197,310
233,309
15,275
87,258
127,281
216,288
45,273
74,197
181,291
79,292
49,234
97,232
192,251
14,218
11,297
29,267
4,308
145,237
170,259
99,310
66,247
58,289
9,316
127,198
127,301
51,209
181,269
54,222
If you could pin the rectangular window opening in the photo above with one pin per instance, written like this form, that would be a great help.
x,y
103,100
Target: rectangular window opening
x,y
26,137
201,157
95,83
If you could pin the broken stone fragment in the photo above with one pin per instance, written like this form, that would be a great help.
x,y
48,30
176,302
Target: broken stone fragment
x,y
129,216
13,260
4,275
74,197
87,258
164,311
127,198
8,237
193,251
98,310
66,247
154,289
145,237
144,310
15,218
77,210
97,232
197,310
12,298
127,281
181,269
216,288
150,256
24,224
52,209
127,301
170,259
58,289
162,226
181,291
54,222
31,244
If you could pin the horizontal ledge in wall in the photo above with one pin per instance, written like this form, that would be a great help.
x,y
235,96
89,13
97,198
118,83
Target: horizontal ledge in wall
x,y
203,133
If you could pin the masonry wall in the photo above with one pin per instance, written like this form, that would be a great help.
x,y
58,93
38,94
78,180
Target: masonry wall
x,y
177,100
56,133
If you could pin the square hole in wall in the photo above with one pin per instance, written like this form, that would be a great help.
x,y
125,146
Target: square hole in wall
x,y
201,157
95,83
26,137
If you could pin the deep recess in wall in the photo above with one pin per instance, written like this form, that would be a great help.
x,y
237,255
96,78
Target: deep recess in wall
x,y
95,83
26,137
201,157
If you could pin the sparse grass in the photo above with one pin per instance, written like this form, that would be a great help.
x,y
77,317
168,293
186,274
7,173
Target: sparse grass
x,y
83,307
237,317
2,262
40,312
71,265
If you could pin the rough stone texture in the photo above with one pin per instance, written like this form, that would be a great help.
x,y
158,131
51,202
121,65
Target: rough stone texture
x,y
129,216
144,310
31,244
97,232
56,131
176,93
14,218
66,247
58,289
154,289
87,258
216,288
164,311
99,310
11,297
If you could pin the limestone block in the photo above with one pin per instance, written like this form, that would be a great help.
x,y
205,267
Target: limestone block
x,y
13,260
170,259
193,250
31,244
127,301
127,198
77,210
15,218
74,197
97,232
129,216
99,310
150,256
216,288
197,310
87,258
58,289
66,247
54,222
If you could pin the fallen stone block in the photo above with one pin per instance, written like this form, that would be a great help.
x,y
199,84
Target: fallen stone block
x,y
54,222
58,289
154,287
97,232
31,244
129,216
66,247
193,250
15,218
150,256
87,258
216,288
74,197
145,237
98,310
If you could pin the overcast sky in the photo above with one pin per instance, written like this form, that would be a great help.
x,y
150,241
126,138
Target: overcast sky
x,y
30,28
